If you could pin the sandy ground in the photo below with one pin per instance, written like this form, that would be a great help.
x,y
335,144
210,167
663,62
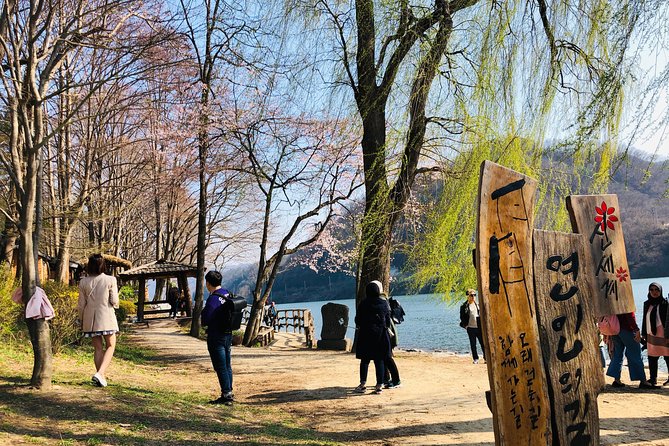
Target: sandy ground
x,y
441,400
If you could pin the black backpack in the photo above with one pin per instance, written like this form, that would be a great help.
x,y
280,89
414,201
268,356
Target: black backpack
x,y
396,311
238,306
239,303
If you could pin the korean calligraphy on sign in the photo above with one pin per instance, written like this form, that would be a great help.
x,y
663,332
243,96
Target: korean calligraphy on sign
x,y
598,218
569,339
504,261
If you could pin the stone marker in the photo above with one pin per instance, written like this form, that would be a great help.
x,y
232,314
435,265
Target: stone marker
x,y
597,217
519,393
568,334
335,323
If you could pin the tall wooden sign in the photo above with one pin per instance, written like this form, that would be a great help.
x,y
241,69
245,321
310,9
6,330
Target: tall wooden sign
x,y
569,339
597,217
519,393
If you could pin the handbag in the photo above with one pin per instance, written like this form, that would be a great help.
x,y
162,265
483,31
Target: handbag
x,y
609,325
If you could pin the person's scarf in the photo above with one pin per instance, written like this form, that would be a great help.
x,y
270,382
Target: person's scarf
x,y
654,304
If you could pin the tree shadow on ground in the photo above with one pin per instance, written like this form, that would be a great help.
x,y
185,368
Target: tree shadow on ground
x,y
123,415
642,431
398,433
291,396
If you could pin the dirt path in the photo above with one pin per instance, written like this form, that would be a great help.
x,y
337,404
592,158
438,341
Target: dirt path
x,y
441,401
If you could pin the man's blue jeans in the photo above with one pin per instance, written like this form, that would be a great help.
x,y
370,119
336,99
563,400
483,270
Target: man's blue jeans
x,y
219,347
624,342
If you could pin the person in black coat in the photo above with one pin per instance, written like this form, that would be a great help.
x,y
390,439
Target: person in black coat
x,y
173,295
469,320
372,320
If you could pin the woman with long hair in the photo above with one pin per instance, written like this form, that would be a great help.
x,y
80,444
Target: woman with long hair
x,y
98,296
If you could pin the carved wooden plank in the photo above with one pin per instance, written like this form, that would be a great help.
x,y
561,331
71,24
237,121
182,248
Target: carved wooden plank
x,y
598,218
569,339
519,396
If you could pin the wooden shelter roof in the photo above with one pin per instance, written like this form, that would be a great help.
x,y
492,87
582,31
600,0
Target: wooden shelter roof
x,y
161,269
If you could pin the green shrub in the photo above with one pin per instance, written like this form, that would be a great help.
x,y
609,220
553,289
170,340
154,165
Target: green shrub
x,y
65,329
127,293
11,314
125,308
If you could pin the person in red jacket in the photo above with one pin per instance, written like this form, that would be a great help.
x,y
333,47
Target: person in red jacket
x,y
627,342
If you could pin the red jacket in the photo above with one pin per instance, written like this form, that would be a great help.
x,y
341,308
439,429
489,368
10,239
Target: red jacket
x,y
628,322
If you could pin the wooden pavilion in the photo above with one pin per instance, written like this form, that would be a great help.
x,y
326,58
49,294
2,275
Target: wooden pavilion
x,y
161,269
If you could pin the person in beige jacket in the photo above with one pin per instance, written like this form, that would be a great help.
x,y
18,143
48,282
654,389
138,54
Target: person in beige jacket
x,y
98,296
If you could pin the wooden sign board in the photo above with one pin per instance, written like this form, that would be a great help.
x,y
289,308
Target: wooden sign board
x,y
569,339
519,394
597,217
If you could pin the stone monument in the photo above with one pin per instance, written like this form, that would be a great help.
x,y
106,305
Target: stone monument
x,y
335,323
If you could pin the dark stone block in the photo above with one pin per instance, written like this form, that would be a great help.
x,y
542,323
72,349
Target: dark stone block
x,y
335,321
335,344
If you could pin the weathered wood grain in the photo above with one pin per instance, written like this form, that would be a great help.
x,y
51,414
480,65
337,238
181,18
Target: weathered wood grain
x,y
520,401
597,217
568,334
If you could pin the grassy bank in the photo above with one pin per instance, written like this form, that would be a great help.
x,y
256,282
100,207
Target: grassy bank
x,y
149,401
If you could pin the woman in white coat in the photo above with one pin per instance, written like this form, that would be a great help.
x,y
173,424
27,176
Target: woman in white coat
x,y
98,296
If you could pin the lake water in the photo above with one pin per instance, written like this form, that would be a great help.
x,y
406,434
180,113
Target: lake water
x,y
433,325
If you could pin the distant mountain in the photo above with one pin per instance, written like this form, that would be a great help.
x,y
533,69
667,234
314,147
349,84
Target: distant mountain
x,y
642,195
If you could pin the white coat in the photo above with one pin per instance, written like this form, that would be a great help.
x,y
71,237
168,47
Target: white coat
x,y
98,296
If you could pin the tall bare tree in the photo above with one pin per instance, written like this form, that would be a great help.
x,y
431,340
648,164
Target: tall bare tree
x,y
38,36
215,29
302,170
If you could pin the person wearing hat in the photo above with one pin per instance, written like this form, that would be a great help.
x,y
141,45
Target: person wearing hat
x,y
372,321
470,320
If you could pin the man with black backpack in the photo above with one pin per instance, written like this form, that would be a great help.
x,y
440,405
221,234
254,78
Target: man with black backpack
x,y
217,316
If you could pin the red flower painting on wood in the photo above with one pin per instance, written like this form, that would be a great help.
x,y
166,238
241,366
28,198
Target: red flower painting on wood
x,y
605,217
621,274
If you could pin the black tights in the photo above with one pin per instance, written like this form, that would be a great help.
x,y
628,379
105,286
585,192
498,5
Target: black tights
x,y
652,367
391,372
378,366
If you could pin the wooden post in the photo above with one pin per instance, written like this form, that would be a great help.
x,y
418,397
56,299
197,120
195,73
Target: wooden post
x,y
597,217
141,297
569,339
519,393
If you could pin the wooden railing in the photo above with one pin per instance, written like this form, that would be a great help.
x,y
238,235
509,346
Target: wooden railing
x,y
300,320
141,312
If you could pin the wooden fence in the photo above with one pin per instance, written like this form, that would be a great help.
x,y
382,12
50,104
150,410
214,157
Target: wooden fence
x,y
298,320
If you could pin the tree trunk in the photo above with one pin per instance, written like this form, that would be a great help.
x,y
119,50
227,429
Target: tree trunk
x,y
63,256
375,242
203,143
7,244
158,292
375,263
253,325
40,337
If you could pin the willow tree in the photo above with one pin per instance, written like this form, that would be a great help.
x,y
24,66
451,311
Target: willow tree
x,y
439,85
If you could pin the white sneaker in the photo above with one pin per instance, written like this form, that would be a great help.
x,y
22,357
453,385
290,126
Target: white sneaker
x,y
476,361
99,380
